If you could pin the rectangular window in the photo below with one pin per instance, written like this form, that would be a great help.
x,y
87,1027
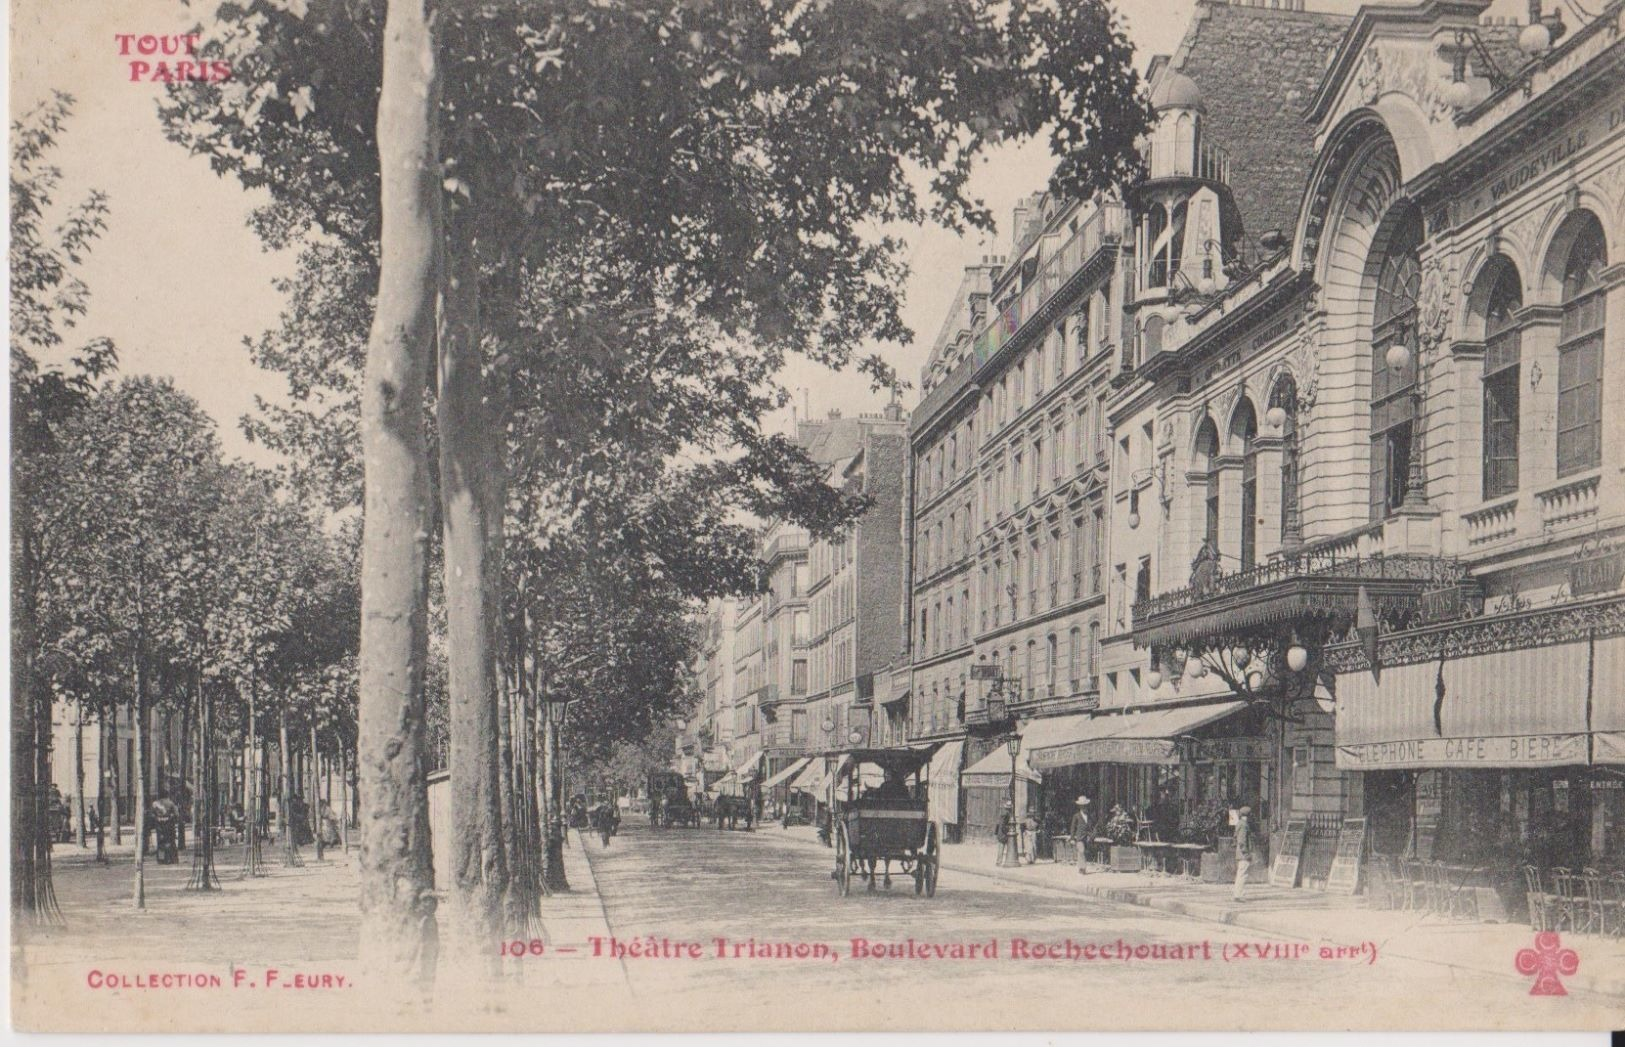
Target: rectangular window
x,y
1142,580
1501,358
1074,652
798,676
1579,385
1058,467
1035,567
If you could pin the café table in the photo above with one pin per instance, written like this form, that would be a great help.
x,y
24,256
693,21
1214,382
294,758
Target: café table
x,y
1189,857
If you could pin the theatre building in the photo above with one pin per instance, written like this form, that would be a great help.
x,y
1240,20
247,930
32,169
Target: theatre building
x,y
1485,728
1367,484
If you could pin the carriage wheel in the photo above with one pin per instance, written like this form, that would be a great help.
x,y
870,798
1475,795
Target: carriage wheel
x,y
930,860
843,863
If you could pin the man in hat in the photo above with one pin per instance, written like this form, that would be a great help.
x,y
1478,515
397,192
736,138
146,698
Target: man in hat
x,y
1244,849
1080,832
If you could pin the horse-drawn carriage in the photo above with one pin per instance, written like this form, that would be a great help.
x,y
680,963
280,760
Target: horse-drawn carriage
x,y
888,821
669,803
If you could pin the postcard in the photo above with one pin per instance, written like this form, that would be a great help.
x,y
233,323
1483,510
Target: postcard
x,y
817,515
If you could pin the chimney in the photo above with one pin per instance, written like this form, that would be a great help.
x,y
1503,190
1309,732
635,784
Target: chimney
x,y
1018,221
835,412
894,411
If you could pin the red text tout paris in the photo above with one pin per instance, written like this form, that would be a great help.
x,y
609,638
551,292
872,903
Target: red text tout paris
x,y
168,59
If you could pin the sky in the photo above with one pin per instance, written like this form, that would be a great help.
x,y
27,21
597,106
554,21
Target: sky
x,y
178,280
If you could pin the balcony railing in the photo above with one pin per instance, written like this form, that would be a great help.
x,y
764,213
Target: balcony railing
x,y
1311,582
1100,229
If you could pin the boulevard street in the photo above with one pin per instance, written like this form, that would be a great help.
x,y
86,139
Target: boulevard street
x,y
683,928
772,943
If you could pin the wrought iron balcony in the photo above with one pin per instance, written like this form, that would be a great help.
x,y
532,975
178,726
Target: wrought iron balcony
x,y
768,695
1320,583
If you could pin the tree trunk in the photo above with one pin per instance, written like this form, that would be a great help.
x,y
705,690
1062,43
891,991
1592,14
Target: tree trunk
x,y
139,774
101,784
284,784
313,797
471,515
79,773
398,933
115,765
25,787
553,771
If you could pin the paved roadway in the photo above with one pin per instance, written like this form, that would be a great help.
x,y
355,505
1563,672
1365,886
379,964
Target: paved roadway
x,y
671,890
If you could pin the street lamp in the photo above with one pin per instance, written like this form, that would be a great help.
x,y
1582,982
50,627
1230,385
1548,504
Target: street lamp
x,y
1010,852
554,706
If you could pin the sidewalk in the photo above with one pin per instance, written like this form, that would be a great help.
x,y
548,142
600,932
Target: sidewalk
x,y
570,919
1313,916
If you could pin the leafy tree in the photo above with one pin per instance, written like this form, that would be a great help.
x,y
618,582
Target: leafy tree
x,y
50,380
142,456
726,186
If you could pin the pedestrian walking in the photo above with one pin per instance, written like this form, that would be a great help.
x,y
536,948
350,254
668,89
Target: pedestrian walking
x,y
1080,832
1244,850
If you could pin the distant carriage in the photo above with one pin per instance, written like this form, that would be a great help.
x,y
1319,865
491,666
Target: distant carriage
x,y
669,802
887,823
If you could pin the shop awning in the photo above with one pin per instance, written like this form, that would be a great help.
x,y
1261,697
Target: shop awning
x,y
750,768
1522,708
942,782
807,779
994,770
1608,701
795,768
1146,736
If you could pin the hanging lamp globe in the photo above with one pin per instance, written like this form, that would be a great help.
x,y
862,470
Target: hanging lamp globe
x,y
1297,656
1535,40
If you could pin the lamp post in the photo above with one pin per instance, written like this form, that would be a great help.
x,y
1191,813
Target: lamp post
x,y
1010,852
554,707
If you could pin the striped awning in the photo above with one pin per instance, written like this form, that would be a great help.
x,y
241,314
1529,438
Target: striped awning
x,y
1520,708
943,782
795,768
812,776
994,769
1142,736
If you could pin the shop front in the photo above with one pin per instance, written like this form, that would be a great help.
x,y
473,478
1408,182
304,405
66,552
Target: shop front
x,y
1162,778
987,786
1492,762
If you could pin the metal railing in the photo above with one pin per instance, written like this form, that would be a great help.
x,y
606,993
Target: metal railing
x,y
1100,229
1306,563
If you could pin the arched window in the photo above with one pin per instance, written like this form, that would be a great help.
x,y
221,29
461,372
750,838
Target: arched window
x,y
1502,351
1579,353
1244,428
1152,343
1155,231
1393,389
1285,398
1207,457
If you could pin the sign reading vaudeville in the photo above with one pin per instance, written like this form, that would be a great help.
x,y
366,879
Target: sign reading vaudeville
x,y
1344,877
1284,870
1527,750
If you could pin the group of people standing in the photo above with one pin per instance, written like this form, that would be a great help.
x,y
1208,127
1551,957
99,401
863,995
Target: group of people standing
x,y
1246,840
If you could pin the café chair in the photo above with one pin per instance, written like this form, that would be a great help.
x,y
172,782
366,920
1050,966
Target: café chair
x,y
1570,901
1542,902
